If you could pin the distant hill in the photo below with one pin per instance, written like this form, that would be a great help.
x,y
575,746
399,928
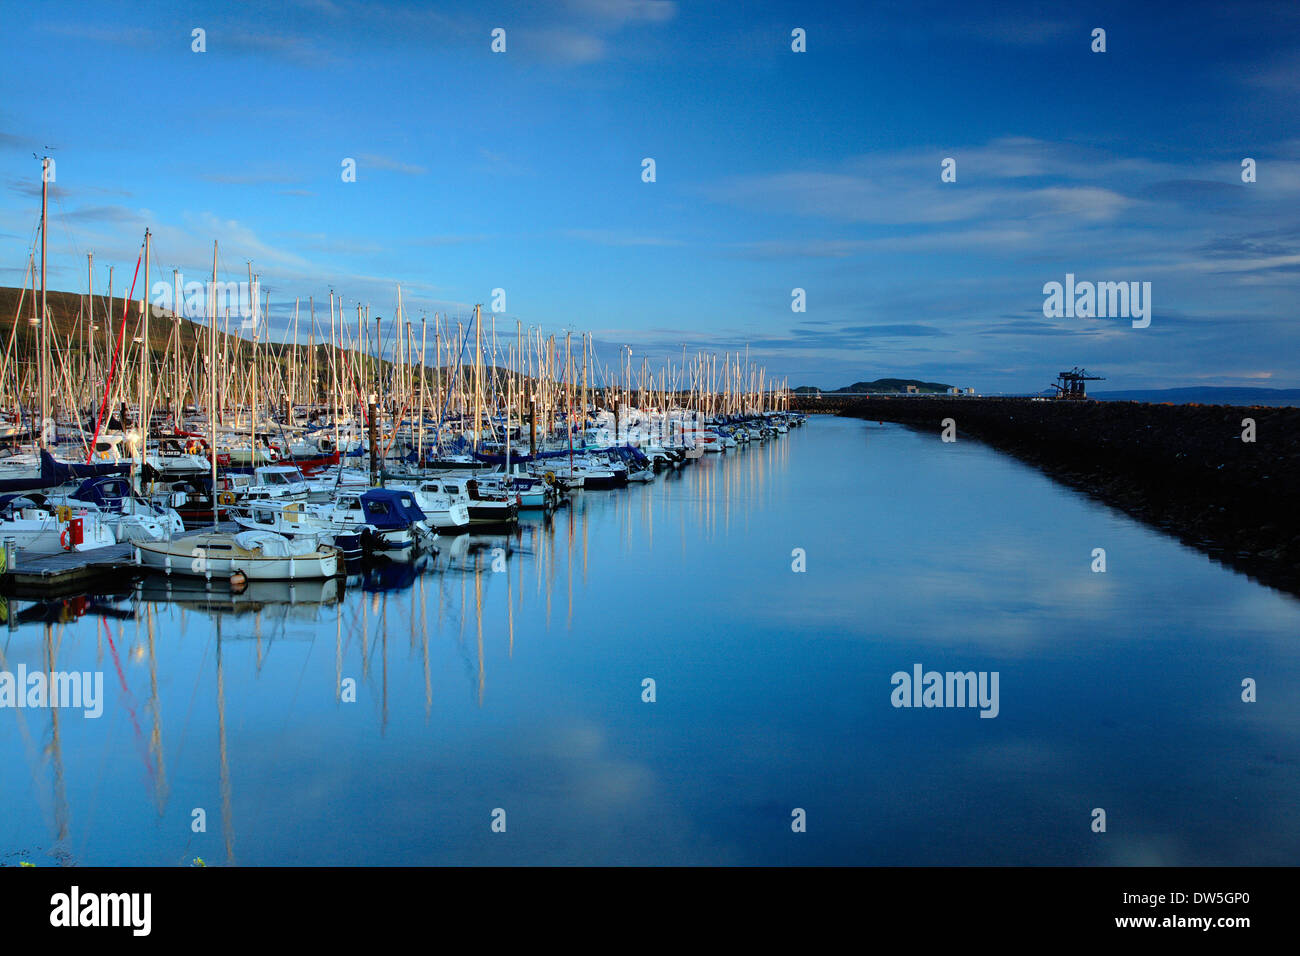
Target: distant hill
x,y
1204,396
880,385
68,311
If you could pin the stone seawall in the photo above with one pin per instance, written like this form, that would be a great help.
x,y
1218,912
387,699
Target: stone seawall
x,y
1182,468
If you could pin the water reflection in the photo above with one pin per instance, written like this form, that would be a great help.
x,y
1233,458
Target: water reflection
x,y
505,670
298,599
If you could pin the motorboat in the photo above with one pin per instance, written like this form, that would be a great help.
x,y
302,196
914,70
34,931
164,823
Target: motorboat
x,y
191,499
485,509
277,483
445,513
36,526
389,519
129,516
297,519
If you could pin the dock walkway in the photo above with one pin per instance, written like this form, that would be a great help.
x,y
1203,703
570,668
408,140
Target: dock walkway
x,y
63,572
37,575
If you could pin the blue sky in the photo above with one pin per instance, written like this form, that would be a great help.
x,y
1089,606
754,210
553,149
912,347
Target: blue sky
x,y
775,170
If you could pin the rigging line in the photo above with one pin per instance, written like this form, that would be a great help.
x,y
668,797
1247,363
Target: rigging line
x,y
198,676
95,794
13,333
393,438
298,689
33,758
451,386
62,354
129,700
374,644
107,383
62,220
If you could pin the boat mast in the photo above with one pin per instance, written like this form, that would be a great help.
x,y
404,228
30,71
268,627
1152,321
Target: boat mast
x,y
478,372
568,394
314,393
43,347
424,341
252,423
212,379
293,369
90,328
176,353
409,362
142,419
518,369
363,365
334,382
399,389
376,404
493,384
437,371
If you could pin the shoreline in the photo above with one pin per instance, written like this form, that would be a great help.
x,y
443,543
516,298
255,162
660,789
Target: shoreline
x,y
1183,469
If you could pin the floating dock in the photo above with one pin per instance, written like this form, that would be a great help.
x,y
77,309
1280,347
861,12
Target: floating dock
x,y
68,572
36,575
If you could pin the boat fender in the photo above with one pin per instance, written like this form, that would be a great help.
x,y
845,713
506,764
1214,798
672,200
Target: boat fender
x,y
238,581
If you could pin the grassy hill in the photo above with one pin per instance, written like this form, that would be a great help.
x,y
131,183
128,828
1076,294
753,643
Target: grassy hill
x,y
69,312
880,385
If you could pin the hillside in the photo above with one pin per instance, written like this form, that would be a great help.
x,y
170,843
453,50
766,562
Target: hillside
x,y
879,386
68,312
1224,395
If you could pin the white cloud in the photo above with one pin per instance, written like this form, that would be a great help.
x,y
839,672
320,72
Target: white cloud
x,y
386,162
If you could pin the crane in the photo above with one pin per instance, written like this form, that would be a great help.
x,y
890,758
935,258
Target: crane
x,y
1070,385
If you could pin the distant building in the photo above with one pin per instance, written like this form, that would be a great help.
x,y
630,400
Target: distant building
x,y
954,390
970,391
910,389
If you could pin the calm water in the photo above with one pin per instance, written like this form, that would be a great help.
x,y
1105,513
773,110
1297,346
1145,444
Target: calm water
x,y
521,688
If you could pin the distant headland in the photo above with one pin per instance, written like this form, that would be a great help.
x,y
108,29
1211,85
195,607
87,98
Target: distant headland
x,y
881,386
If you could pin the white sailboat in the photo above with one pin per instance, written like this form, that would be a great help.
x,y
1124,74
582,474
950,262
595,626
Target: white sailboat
x,y
257,555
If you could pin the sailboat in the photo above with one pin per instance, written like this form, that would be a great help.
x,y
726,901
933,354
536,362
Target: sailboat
x,y
257,555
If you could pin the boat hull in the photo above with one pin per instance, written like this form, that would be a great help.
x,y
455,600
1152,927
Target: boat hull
x,y
207,561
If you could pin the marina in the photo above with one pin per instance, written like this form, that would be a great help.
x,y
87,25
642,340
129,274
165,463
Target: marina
x,y
320,456
382,717
614,435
